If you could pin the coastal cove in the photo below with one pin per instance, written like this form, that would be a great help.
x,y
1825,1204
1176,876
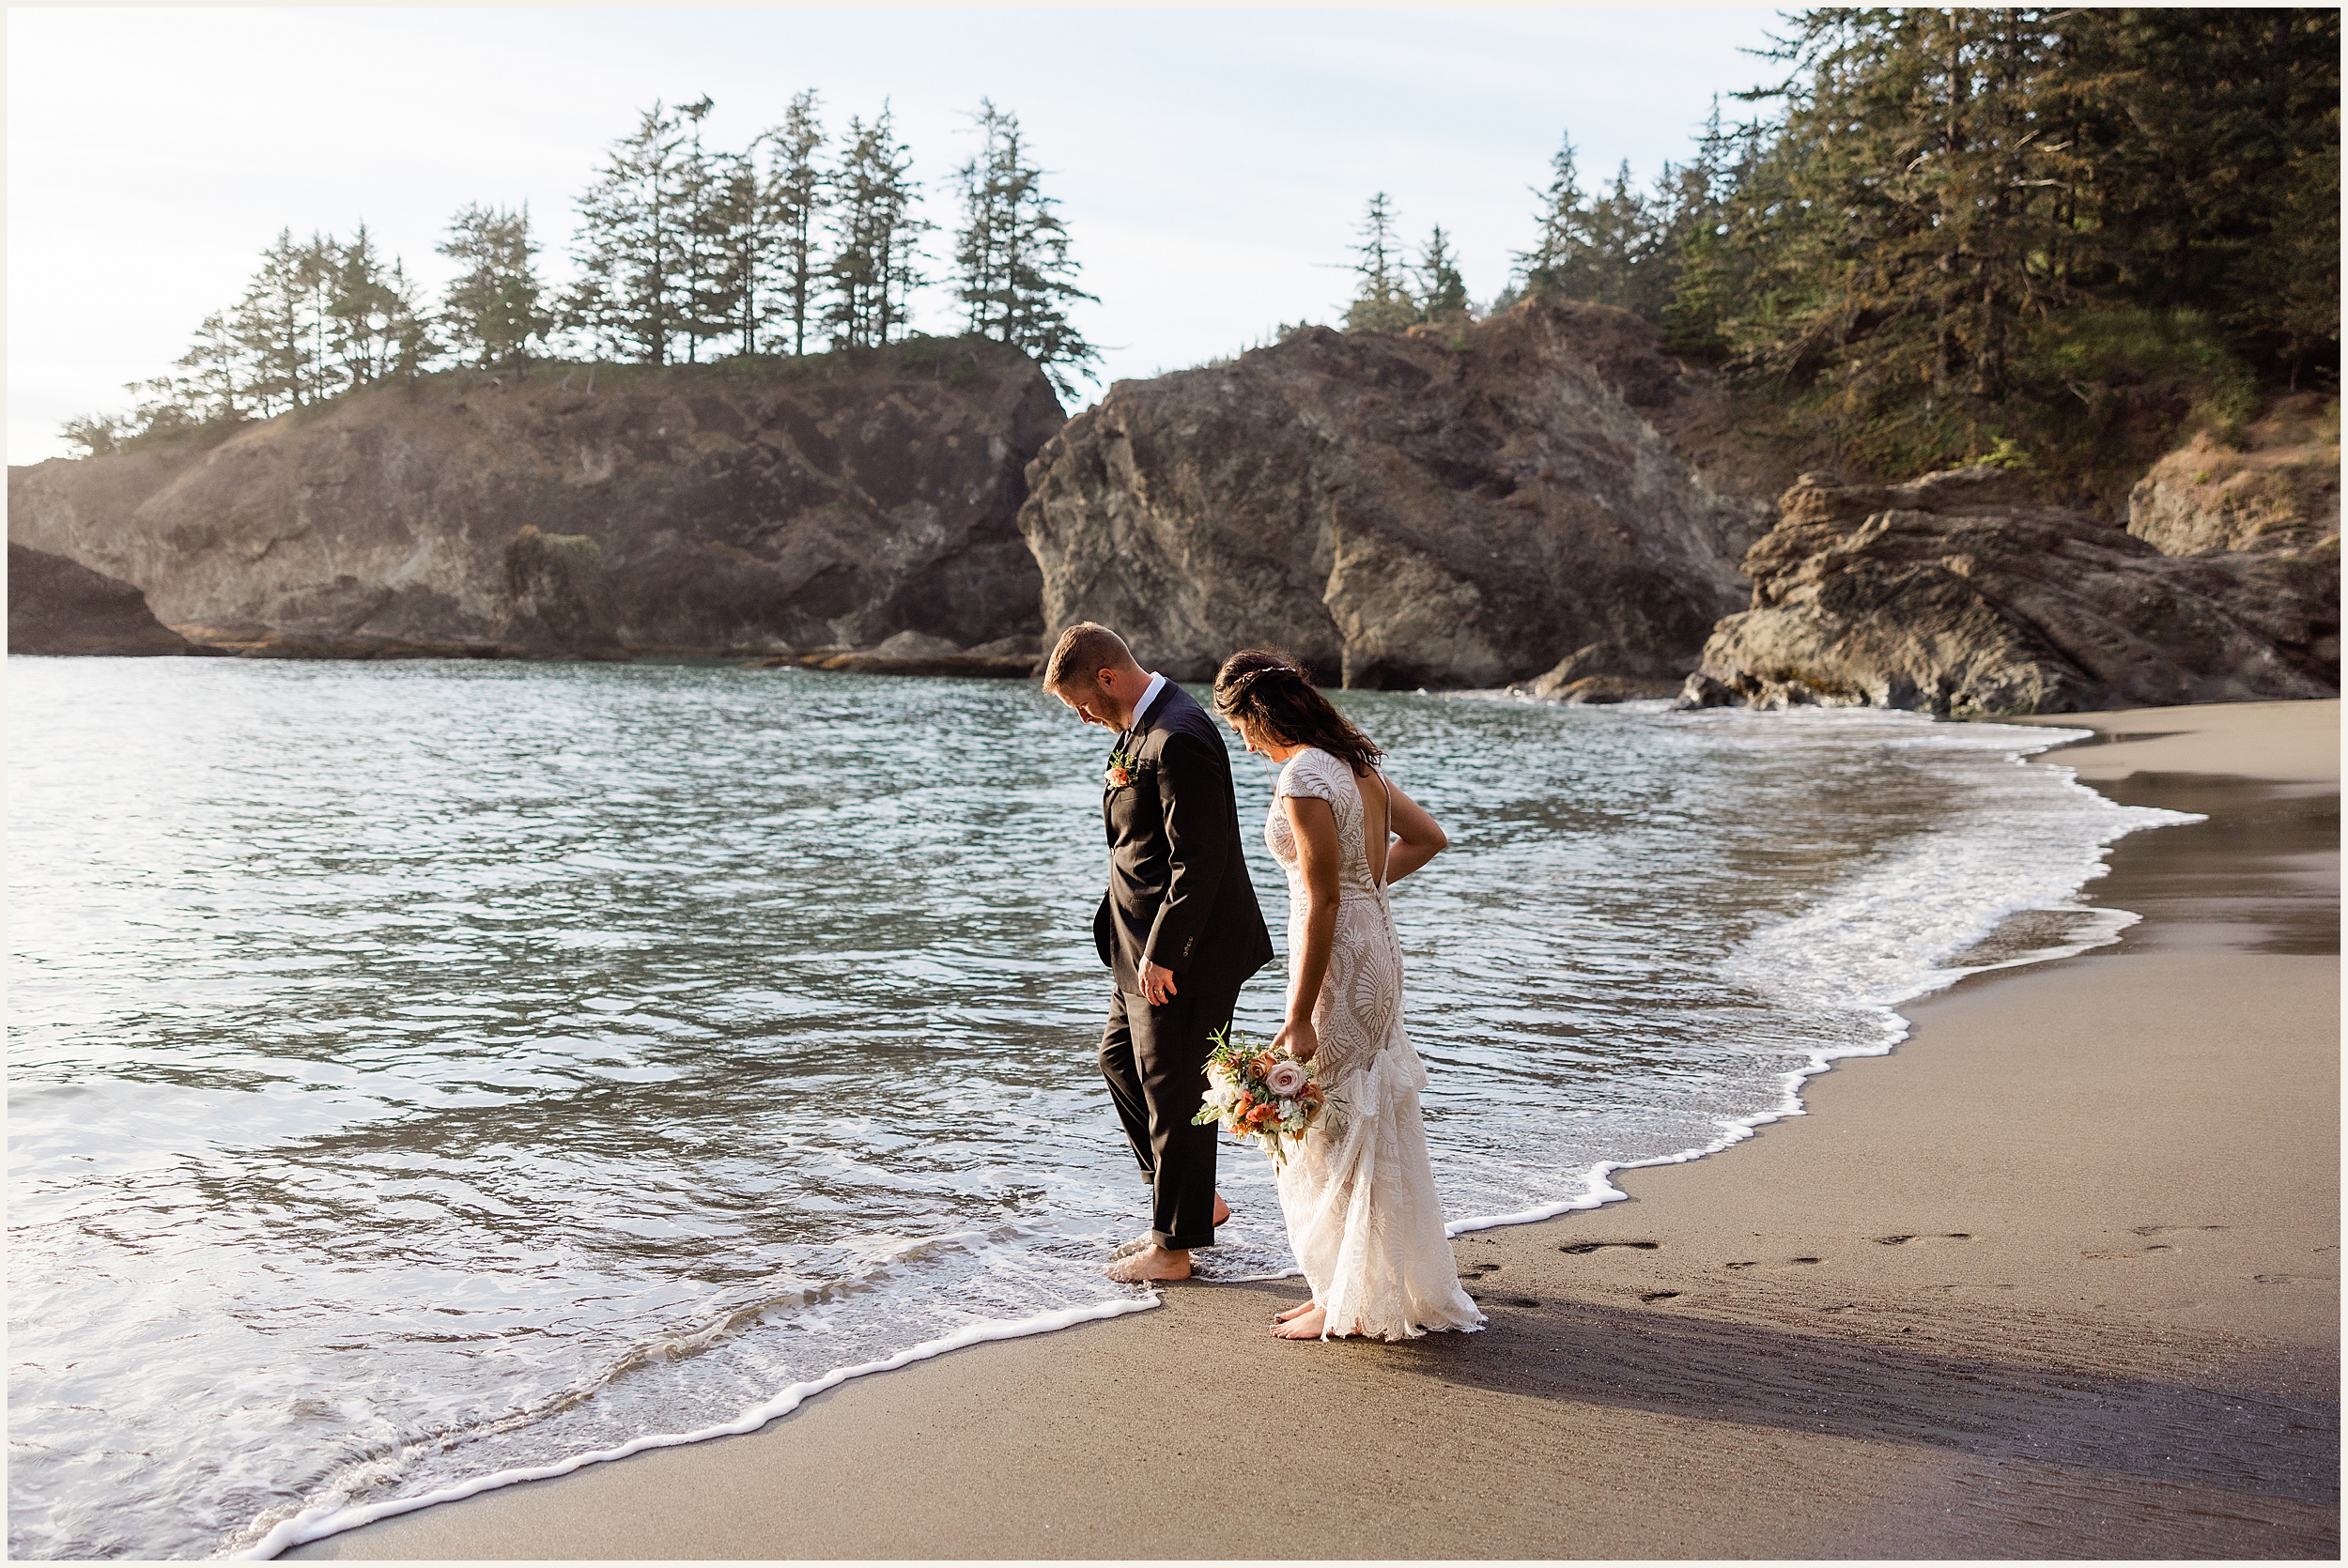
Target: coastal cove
x,y
2057,1277
597,1051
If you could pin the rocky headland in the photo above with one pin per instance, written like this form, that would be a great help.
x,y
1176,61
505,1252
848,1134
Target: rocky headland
x,y
749,507
1543,499
1960,595
1456,506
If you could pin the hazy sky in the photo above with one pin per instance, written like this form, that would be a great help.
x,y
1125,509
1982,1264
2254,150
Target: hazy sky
x,y
1211,165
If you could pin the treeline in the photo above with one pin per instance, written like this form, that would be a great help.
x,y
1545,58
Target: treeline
x,y
1949,234
684,253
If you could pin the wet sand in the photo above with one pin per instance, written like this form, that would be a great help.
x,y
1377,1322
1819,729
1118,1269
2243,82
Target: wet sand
x,y
2058,1277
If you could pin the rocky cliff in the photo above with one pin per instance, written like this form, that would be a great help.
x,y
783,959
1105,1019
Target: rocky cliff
x,y
756,506
2275,487
1958,595
58,605
1456,508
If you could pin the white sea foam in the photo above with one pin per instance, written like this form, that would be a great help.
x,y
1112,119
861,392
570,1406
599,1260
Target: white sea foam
x,y
2032,841
316,1523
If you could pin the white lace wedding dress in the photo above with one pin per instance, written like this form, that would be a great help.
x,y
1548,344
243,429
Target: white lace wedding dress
x,y
1359,1198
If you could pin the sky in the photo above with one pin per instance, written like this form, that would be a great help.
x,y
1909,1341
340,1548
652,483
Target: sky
x,y
1211,165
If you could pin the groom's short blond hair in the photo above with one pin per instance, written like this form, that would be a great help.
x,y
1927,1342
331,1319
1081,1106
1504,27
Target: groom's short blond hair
x,y
1084,651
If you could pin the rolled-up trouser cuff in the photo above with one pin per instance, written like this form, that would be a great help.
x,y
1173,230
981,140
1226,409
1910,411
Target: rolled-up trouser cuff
x,y
1182,1244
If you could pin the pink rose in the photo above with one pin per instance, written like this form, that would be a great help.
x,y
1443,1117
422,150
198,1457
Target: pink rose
x,y
1286,1079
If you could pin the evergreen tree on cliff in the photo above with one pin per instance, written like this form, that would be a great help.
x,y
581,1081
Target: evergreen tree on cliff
x,y
1382,297
718,219
634,289
376,329
1442,289
1558,264
280,324
794,195
876,263
1016,280
491,313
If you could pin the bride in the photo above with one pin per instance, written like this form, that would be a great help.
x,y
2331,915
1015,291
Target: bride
x,y
1359,1198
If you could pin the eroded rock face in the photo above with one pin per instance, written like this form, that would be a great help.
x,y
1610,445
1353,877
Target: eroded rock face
x,y
831,505
2277,490
58,605
1958,595
1397,509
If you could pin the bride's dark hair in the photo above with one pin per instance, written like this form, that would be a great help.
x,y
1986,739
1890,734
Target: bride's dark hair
x,y
1271,693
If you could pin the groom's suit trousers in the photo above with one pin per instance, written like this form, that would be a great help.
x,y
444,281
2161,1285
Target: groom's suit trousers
x,y
1155,1061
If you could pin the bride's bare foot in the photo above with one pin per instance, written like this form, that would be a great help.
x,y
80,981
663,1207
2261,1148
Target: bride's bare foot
x,y
1152,1263
1297,1311
1305,1323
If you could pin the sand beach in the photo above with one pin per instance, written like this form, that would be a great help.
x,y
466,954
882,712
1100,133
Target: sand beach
x,y
2058,1277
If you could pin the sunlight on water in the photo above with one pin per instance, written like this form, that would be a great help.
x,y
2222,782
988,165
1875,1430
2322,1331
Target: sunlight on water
x,y
420,1070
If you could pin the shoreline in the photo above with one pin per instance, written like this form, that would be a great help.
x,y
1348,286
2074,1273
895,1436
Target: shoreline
x,y
1751,1355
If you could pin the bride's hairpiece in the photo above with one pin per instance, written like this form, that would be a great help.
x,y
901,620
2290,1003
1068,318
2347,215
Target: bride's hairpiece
x,y
1229,694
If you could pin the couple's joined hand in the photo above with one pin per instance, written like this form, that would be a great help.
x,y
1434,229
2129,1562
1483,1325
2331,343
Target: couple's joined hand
x,y
1298,1037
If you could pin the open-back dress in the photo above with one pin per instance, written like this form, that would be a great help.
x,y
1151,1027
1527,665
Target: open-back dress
x,y
1357,1191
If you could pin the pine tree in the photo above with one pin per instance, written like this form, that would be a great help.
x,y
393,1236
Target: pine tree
x,y
1558,262
792,209
374,330
279,325
876,264
633,295
492,312
1016,280
1381,299
734,221
718,279
97,435
1440,289
1616,268
1699,285
219,376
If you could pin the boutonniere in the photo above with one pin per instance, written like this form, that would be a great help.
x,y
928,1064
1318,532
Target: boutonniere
x,y
1119,772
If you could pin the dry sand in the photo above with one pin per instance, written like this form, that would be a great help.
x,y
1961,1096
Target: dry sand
x,y
2058,1277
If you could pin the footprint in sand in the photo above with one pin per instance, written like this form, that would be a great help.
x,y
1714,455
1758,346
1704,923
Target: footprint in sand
x,y
2128,1254
1582,1249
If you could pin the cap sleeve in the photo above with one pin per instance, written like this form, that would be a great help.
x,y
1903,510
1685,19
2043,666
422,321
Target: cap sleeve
x,y
1310,772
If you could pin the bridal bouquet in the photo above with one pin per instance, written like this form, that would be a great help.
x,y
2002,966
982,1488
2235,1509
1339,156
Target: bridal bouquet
x,y
1256,1094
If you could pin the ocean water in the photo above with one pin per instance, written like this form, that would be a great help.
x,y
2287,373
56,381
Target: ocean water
x,y
427,1072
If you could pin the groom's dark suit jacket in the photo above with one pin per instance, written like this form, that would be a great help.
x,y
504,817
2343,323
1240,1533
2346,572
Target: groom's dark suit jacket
x,y
1178,893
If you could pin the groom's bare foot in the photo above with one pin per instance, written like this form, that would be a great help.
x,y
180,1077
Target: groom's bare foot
x,y
1152,1263
1222,1210
1295,1312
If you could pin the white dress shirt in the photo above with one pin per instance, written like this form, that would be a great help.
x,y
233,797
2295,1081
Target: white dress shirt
x,y
1148,694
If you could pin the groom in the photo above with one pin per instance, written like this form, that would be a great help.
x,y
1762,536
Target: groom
x,y
1179,927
